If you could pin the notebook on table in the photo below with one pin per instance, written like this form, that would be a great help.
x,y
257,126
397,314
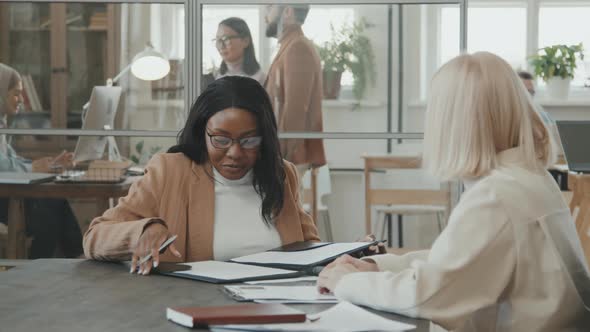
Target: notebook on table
x,y
25,178
234,314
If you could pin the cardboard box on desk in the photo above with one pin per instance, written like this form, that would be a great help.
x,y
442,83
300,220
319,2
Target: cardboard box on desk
x,y
108,171
101,171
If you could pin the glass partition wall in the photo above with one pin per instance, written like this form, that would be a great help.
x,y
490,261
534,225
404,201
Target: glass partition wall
x,y
376,61
62,50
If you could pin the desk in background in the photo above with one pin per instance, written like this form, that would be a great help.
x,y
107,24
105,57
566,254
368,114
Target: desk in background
x,y
77,295
18,192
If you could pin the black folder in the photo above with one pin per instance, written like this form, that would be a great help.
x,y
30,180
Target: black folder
x,y
284,253
295,249
180,270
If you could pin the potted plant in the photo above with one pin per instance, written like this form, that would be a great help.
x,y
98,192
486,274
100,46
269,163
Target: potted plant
x,y
141,157
555,65
349,50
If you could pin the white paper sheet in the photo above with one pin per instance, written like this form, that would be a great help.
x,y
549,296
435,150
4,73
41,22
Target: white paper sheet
x,y
343,317
309,294
282,281
303,258
329,301
230,271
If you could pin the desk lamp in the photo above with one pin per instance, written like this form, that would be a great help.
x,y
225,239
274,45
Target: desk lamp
x,y
147,65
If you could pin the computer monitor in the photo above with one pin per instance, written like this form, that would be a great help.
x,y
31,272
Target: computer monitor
x,y
575,136
101,112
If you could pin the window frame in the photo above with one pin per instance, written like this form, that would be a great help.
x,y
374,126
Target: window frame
x,y
193,68
532,8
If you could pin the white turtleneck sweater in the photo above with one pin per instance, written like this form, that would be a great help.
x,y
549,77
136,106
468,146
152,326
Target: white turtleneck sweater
x,y
239,228
235,69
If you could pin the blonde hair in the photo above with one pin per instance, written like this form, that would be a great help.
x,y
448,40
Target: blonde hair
x,y
478,107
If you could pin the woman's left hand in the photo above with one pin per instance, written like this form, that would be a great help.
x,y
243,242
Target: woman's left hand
x,y
333,272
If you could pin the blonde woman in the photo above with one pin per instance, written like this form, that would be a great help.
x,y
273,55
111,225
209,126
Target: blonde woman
x,y
510,258
51,222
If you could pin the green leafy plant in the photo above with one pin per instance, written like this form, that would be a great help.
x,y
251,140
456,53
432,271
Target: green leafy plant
x,y
350,50
141,157
556,61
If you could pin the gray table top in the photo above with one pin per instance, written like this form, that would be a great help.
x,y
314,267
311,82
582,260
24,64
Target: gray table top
x,y
74,295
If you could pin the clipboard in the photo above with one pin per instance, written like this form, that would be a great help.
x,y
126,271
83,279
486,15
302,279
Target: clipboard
x,y
304,260
209,271
300,246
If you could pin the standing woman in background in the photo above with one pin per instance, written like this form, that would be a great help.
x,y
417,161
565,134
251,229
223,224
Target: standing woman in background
x,y
509,258
234,43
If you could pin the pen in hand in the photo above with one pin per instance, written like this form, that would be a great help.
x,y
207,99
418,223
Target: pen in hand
x,y
162,248
149,256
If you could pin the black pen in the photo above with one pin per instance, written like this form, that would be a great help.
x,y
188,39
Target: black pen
x,y
162,248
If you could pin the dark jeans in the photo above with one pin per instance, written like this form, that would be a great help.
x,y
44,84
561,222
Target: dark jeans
x,y
50,222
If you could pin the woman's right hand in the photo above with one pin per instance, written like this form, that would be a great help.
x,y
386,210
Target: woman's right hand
x,y
149,242
63,161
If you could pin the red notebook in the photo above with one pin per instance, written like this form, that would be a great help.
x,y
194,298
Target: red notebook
x,y
249,313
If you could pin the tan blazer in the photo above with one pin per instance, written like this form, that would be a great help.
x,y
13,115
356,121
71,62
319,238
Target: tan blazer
x,y
181,193
294,84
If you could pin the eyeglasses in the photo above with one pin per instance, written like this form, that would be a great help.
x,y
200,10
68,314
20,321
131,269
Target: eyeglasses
x,y
224,41
224,142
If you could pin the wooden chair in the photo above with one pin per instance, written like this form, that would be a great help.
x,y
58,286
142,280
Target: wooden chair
x,y
310,195
579,184
319,186
401,201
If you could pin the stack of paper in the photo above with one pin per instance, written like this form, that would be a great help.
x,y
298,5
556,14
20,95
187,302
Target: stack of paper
x,y
279,294
343,317
300,281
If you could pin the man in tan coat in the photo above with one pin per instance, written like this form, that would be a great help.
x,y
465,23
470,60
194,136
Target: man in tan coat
x,y
294,83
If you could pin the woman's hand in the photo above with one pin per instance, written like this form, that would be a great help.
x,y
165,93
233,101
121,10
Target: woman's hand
x,y
41,165
64,160
150,241
377,249
333,272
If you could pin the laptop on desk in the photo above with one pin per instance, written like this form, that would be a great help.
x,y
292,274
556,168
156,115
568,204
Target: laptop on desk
x,y
575,139
24,178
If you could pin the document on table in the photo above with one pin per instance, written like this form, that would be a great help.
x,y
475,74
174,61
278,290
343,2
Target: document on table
x,y
302,258
290,294
343,317
284,281
219,272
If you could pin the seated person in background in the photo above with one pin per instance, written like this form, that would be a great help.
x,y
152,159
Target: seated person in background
x,y
499,265
527,80
224,189
559,176
234,43
49,221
